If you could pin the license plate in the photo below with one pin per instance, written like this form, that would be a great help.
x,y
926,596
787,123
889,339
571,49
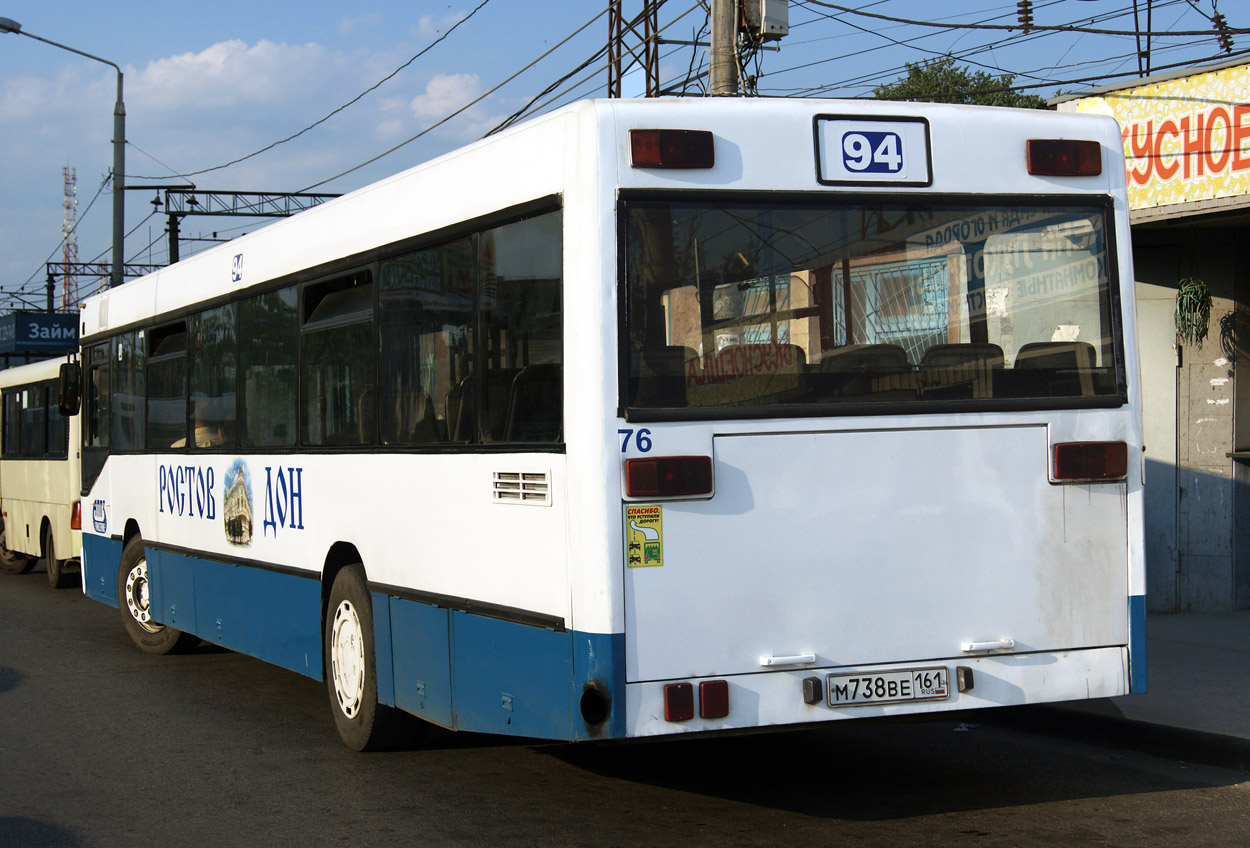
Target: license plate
x,y
888,687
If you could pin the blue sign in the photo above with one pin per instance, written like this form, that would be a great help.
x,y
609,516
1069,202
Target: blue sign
x,y
38,332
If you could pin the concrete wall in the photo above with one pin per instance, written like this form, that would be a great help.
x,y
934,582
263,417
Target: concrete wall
x,y
1194,551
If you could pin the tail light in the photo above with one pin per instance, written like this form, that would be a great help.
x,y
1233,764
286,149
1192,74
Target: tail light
x,y
678,702
668,476
714,699
1056,157
1091,461
75,516
671,149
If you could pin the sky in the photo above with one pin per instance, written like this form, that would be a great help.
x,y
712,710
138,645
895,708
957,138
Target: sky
x,y
207,84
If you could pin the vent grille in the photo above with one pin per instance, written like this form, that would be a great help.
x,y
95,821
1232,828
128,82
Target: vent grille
x,y
532,488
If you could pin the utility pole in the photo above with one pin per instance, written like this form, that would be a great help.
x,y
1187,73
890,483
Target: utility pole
x,y
723,60
644,30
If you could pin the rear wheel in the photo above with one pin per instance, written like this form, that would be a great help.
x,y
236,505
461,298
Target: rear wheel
x,y
351,673
134,601
12,562
57,578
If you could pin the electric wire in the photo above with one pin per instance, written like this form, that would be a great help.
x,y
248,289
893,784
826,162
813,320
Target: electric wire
x,y
331,114
459,111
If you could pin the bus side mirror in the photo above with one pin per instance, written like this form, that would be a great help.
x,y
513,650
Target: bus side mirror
x,y
69,393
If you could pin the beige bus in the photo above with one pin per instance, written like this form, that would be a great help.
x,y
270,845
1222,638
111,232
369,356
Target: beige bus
x,y
40,476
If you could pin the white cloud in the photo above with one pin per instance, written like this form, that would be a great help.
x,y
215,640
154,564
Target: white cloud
x,y
429,26
349,25
445,93
229,73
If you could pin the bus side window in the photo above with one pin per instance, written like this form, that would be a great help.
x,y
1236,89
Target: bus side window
x,y
213,378
424,340
522,323
268,357
337,362
129,394
167,386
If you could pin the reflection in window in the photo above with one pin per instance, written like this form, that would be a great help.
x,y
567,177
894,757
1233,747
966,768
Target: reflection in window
x,y
775,304
129,392
424,321
338,362
268,352
519,278
167,386
213,378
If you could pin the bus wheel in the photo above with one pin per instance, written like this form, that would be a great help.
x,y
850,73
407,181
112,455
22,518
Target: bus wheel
x,y
135,604
351,675
57,578
12,562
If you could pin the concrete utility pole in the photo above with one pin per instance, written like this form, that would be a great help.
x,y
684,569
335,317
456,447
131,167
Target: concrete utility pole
x,y
119,146
723,62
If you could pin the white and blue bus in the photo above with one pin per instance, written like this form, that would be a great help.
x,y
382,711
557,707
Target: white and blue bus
x,y
39,475
646,418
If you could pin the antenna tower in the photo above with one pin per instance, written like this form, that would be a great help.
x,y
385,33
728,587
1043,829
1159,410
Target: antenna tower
x,y
69,283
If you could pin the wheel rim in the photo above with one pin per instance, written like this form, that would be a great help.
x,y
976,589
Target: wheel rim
x,y
138,600
5,553
347,657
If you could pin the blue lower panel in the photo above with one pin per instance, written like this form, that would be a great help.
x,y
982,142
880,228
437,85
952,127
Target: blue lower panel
x,y
1137,643
421,653
100,559
510,678
599,662
270,615
470,672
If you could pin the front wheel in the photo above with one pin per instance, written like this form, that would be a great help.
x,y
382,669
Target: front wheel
x,y
351,673
12,562
135,604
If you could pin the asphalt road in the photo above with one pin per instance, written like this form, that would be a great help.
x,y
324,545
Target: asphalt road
x,y
103,746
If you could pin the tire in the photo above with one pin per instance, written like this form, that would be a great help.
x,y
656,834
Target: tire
x,y
12,562
135,607
351,673
57,577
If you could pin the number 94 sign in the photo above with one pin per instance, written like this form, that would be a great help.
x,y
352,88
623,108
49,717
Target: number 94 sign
x,y
883,151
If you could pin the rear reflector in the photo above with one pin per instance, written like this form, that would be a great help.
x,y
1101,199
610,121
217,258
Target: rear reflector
x,y
1053,157
671,149
1091,461
714,699
75,516
678,702
668,476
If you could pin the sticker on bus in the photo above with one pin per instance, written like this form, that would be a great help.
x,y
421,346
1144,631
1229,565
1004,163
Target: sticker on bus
x,y
644,536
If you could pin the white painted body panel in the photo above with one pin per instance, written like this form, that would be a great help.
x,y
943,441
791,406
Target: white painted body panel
x,y
38,491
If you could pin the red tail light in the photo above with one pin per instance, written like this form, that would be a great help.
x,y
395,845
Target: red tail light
x,y
1091,461
678,702
668,476
714,699
75,516
671,149
1054,157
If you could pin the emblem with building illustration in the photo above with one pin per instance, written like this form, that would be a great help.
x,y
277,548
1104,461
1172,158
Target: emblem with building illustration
x,y
238,504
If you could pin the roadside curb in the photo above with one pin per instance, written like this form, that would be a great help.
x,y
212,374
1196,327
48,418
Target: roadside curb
x,y
1180,743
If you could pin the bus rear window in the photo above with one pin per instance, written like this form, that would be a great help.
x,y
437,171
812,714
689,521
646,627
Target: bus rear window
x,y
834,306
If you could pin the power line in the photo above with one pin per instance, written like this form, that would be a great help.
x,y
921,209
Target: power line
x,y
1041,27
459,111
330,115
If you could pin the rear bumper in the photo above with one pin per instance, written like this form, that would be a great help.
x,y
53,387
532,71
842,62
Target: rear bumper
x,y
775,698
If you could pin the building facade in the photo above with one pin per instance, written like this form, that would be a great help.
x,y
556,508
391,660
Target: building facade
x,y
1187,148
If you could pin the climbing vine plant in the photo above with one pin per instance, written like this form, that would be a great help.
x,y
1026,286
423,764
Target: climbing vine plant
x,y
1193,310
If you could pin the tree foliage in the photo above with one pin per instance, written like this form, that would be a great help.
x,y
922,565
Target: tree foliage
x,y
941,81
